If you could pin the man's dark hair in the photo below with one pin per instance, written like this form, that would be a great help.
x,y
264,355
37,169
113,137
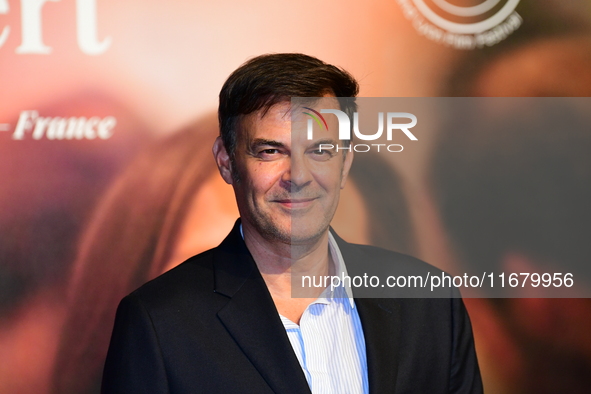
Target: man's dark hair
x,y
266,80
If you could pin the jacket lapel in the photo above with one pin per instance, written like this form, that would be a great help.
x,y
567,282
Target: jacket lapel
x,y
251,318
380,319
381,329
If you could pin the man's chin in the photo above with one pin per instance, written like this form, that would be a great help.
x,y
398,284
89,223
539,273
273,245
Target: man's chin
x,y
295,232
303,239
273,233
306,236
295,238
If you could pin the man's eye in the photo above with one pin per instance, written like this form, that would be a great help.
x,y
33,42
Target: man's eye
x,y
321,154
268,153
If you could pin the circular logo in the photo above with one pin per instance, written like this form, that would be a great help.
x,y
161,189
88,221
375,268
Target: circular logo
x,y
477,10
487,21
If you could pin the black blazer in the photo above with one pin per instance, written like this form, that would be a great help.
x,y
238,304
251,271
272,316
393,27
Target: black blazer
x,y
210,326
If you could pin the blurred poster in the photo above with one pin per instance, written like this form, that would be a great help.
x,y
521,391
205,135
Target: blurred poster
x,y
107,116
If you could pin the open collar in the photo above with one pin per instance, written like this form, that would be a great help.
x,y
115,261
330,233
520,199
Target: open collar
x,y
251,318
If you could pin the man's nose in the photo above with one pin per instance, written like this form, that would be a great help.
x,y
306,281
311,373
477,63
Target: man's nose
x,y
297,175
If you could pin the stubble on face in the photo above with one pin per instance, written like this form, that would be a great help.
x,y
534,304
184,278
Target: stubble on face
x,y
281,206
252,195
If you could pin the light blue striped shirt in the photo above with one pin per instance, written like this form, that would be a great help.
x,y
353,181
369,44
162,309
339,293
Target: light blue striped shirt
x,y
329,342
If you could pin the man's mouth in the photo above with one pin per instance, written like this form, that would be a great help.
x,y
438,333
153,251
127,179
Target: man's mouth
x,y
295,203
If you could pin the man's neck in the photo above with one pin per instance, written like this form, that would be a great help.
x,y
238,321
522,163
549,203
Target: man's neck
x,y
280,263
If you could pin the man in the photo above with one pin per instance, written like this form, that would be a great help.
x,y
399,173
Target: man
x,y
225,321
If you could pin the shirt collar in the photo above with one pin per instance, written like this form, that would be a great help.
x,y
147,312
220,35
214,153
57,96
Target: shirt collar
x,y
340,270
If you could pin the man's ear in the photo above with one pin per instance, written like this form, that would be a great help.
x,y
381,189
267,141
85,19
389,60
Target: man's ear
x,y
222,159
346,167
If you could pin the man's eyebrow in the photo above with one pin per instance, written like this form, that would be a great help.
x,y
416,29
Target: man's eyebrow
x,y
323,142
258,142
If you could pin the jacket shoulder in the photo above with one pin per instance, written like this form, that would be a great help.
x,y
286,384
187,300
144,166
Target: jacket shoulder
x,y
385,261
398,275
193,279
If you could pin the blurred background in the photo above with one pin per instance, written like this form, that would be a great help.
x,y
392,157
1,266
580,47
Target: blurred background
x,y
107,117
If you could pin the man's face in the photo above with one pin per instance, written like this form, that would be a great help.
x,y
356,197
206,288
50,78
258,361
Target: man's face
x,y
287,189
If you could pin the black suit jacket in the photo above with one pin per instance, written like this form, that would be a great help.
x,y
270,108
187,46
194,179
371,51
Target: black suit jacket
x,y
210,326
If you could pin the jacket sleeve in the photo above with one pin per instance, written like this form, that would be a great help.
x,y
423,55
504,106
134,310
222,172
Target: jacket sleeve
x,y
134,361
465,373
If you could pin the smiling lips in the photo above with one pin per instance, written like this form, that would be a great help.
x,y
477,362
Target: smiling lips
x,y
294,203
